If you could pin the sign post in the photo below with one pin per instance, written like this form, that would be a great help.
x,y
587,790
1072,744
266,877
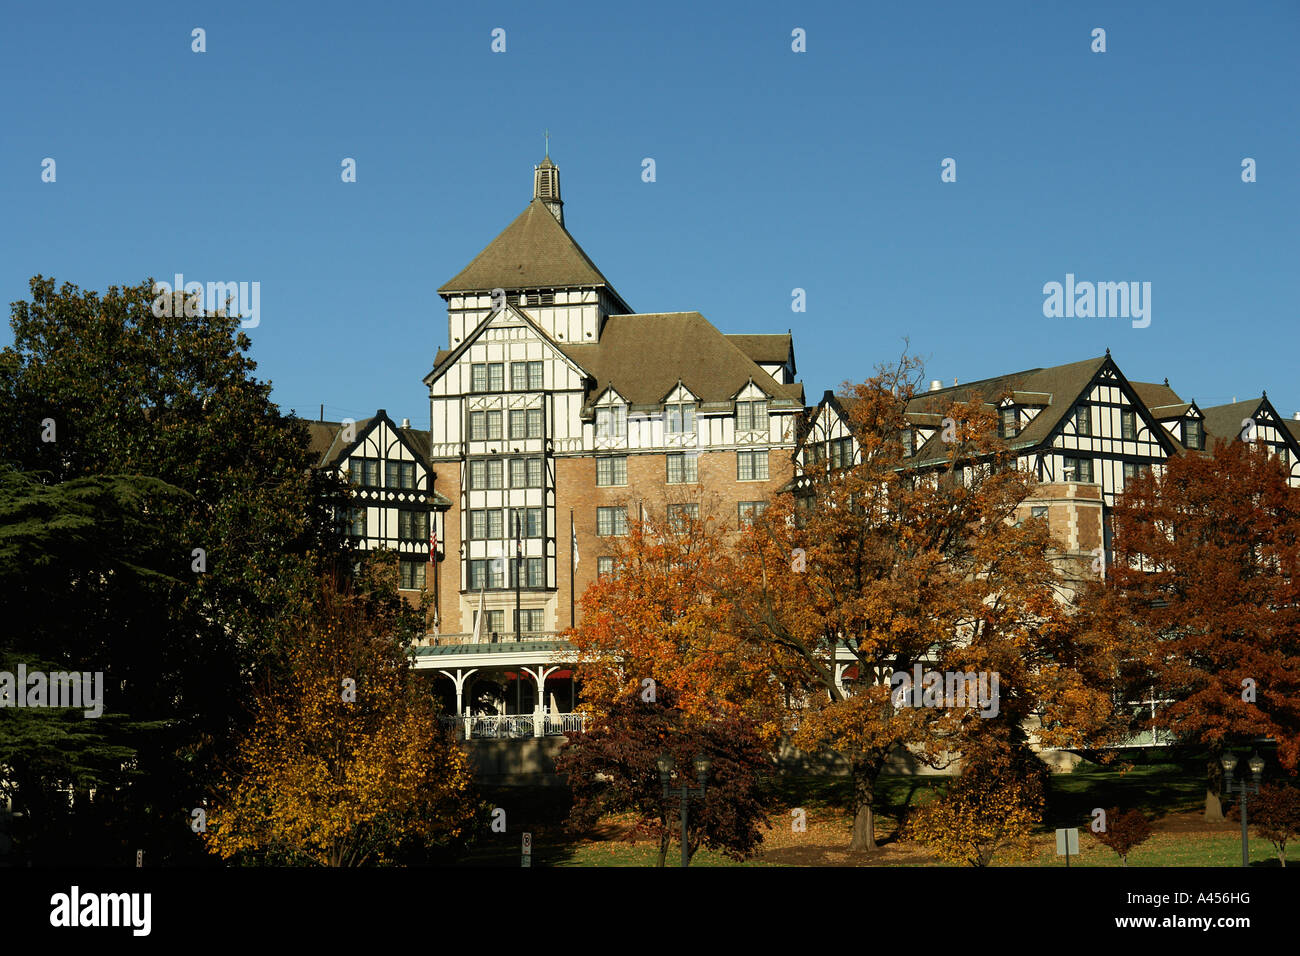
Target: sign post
x,y
1067,842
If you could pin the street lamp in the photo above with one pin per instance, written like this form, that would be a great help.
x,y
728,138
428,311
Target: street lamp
x,y
667,770
1256,764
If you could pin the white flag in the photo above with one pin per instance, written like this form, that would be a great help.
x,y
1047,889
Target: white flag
x,y
478,620
574,532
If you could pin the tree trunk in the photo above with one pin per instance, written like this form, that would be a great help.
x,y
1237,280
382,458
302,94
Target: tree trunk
x,y
1214,787
864,817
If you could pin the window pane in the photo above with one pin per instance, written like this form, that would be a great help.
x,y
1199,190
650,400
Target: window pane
x,y
496,377
494,474
535,379
494,425
477,426
478,378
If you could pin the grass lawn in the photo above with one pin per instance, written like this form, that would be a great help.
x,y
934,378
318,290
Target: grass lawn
x,y
1170,792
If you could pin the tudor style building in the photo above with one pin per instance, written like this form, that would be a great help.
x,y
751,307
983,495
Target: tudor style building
x,y
555,403
388,468
1083,429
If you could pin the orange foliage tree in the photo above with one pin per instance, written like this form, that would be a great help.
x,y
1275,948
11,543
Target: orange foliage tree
x,y
901,563
1204,594
662,618
345,763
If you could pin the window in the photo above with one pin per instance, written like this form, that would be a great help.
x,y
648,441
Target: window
x,y
1008,422
1192,429
494,622
611,521
1078,469
683,468
531,620
486,525
751,416
485,426
399,474
1039,511
1128,424
413,525
487,572
533,572
842,453
488,378
412,574
1283,454
530,522
611,422
909,443
751,465
526,423
604,566
681,418
485,473
1083,419
679,516
357,522
525,473
364,472
815,455
611,471
749,510
526,376
1134,468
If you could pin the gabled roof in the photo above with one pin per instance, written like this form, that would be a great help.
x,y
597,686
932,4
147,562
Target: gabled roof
x,y
1224,421
644,355
1062,383
329,448
533,252
764,348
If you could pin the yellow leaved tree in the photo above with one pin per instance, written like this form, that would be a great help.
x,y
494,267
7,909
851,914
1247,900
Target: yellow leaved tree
x,y
345,763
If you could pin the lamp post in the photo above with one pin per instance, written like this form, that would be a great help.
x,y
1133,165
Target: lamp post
x,y
667,770
1256,764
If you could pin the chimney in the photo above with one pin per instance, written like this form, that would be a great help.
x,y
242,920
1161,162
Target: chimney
x,y
1296,416
406,423
935,385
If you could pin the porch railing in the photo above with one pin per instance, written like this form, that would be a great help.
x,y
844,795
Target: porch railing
x,y
513,726
499,637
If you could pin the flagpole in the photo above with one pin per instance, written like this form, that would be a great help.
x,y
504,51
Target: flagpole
x,y
573,537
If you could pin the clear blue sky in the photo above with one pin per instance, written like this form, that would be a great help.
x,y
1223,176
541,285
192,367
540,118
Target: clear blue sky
x,y
775,170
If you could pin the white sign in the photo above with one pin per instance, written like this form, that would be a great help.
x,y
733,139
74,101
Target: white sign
x,y
1067,842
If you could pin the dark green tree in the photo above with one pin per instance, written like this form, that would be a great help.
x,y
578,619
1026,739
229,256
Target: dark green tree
x,y
186,595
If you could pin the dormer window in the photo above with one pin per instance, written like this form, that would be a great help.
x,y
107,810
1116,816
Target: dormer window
x,y
1195,438
611,422
681,418
751,416
1008,422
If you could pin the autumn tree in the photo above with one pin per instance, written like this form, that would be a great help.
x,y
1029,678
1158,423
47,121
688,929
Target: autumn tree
x,y
661,619
1274,814
613,768
992,807
345,761
1124,831
901,562
1204,593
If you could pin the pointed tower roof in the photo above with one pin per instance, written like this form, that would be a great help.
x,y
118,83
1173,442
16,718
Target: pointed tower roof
x,y
533,252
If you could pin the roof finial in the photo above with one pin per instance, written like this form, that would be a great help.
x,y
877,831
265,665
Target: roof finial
x,y
1108,351
1166,381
